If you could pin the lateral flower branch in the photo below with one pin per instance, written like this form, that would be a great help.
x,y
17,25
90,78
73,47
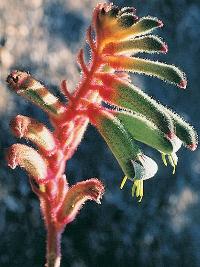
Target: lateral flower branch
x,y
115,37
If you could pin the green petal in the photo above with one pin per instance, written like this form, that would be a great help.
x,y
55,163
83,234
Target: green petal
x,y
145,131
185,132
119,141
165,72
143,26
129,96
148,44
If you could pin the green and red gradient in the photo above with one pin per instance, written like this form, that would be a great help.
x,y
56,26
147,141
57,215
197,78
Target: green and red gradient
x,y
115,37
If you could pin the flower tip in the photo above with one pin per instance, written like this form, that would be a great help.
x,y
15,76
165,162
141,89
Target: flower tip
x,y
11,158
18,126
160,23
16,78
192,147
12,75
98,201
129,10
183,84
136,18
95,189
12,164
164,48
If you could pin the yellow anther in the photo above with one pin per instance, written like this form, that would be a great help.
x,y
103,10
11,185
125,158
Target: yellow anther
x,y
141,190
138,189
164,159
123,182
133,189
173,163
174,170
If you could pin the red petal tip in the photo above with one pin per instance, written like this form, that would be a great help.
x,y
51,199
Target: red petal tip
x,y
192,147
135,17
16,78
160,23
183,84
164,48
171,135
132,9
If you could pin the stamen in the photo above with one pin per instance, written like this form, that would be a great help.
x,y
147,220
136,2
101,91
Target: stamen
x,y
133,189
138,189
123,182
173,163
164,159
141,190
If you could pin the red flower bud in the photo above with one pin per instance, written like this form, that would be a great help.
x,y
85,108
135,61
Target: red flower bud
x,y
34,131
29,159
77,195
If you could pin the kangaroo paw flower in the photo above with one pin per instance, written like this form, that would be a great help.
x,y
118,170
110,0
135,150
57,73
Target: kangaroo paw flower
x,y
116,38
25,85
34,131
29,159
77,195
160,70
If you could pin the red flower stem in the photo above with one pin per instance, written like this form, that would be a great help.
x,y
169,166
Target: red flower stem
x,y
53,256
54,232
80,128
85,84
80,92
54,229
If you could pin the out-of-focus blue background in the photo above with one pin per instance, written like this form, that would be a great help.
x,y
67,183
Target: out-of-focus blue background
x,y
43,37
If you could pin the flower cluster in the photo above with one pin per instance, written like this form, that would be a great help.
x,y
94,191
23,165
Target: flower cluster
x,y
120,36
115,37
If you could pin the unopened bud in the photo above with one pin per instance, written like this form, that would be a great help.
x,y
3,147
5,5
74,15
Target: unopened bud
x,y
24,84
34,131
77,195
28,158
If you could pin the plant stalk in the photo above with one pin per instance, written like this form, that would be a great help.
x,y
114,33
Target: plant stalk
x,y
53,256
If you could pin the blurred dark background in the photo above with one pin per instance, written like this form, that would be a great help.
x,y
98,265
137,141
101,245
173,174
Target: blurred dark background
x,y
43,37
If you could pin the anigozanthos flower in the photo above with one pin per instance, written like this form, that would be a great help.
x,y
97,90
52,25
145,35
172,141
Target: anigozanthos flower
x,y
135,165
76,196
115,38
144,168
28,158
25,85
34,131
114,24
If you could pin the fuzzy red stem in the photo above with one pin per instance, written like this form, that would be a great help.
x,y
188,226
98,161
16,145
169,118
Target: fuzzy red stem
x,y
54,230
65,91
74,106
53,256
81,62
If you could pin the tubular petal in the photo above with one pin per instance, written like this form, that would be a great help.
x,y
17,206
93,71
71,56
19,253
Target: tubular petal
x,y
76,196
34,131
157,69
29,159
148,44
